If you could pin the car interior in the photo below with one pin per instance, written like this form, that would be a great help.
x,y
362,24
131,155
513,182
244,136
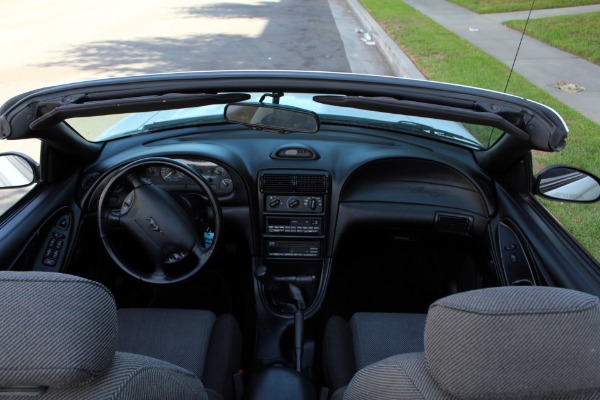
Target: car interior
x,y
222,261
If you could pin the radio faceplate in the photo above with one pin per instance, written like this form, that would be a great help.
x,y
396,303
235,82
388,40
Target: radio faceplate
x,y
294,225
304,249
293,214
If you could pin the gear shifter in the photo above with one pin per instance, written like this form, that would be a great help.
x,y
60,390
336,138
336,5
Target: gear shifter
x,y
289,297
262,275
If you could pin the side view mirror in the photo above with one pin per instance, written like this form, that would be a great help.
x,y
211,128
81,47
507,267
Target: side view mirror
x,y
564,183
17,170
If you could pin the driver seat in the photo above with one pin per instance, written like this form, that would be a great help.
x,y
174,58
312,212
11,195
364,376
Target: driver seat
x,y
196,340
60,339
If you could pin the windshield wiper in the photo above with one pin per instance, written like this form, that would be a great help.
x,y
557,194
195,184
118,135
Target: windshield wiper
x,y
422,128
57,110
181,123
165,125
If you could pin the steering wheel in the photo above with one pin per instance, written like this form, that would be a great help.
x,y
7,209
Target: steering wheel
x,y
162,228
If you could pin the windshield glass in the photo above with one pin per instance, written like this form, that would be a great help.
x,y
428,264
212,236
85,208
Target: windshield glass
x,y
115,126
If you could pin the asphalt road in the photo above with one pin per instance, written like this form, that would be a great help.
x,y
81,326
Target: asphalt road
x,y
45,42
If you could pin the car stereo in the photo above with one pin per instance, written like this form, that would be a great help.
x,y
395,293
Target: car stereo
x,y
304,249
294,225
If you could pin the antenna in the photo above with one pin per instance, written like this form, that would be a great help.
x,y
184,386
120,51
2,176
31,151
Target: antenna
x,y
519,48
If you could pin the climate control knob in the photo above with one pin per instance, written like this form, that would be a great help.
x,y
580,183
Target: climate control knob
x,y
293,203
274,202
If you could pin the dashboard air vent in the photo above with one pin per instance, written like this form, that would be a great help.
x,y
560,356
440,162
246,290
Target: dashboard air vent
x,y
311,183
287,183
456,224
277,183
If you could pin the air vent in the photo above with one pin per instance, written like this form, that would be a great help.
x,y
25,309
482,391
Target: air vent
x,y
284,183
311,183
277,183
457,224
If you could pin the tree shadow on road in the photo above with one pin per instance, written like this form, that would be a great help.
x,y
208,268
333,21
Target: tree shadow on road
x,y
231,10
156,55
311,43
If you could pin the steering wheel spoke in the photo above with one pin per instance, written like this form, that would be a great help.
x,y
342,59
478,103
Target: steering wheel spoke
x,y
200,251
158,270
113,219
134,179
157,222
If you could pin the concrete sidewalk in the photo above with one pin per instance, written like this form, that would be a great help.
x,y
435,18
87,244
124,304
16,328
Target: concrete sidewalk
x,y
551,12
541,64
538,62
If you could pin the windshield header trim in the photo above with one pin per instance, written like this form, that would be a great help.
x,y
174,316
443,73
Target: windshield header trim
x,y
548,131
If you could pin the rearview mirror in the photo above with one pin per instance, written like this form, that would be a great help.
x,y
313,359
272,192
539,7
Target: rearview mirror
x,y
564,183
16,170
278,118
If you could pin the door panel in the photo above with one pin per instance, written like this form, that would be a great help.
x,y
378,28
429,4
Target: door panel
x,y
554,256
26,230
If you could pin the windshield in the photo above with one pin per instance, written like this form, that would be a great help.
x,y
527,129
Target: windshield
x,y
114,126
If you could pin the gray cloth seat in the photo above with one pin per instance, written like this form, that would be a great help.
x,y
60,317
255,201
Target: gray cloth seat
x,y
196,340
367,337
497,343
58,340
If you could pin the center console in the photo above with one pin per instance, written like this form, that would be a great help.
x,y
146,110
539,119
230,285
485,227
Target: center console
x,y
294,208
294,224
291,272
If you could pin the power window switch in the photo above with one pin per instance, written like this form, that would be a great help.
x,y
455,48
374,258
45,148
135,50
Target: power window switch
x,y
49,262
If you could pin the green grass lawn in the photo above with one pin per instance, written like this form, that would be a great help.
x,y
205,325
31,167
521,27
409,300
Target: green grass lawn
x,y
443,56
577,34
497,6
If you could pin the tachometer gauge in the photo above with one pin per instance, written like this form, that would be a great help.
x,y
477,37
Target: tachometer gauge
x,y
171,175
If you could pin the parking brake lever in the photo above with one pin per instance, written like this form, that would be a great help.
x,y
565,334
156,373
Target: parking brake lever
x,y
298,297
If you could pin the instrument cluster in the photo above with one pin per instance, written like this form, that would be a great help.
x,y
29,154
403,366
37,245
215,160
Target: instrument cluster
x,y
215,175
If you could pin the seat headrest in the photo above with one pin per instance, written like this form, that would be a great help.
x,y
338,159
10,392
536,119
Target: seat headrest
x,y
55,329
514,341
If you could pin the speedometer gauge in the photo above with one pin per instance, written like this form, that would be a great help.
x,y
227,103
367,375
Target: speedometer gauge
x,y
171,175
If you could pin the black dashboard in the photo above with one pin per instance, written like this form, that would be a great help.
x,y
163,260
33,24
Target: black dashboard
x,y
297,201
271,176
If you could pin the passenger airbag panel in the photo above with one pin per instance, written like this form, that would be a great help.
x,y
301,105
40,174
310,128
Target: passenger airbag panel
x,y
416,193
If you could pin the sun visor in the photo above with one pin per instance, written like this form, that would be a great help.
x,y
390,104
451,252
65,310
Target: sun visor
x,y
65,110
525,124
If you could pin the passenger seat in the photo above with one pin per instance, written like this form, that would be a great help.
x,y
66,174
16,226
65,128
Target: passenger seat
x,y
349,346
519,342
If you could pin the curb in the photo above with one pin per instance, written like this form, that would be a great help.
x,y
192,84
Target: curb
x,y
400,64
